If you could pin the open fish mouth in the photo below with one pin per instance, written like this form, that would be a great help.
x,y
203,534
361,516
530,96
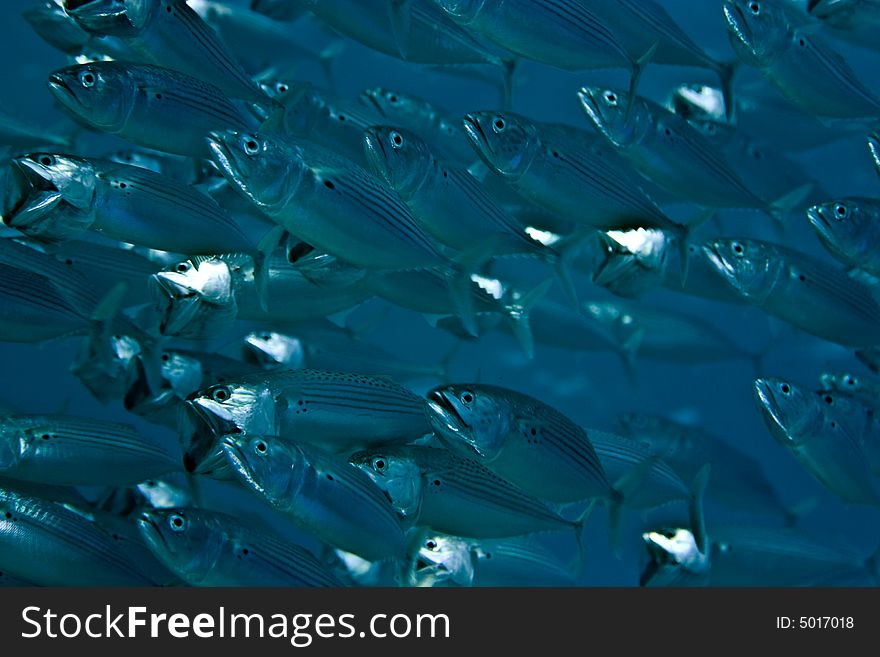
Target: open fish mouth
x,y
737,21
474,131
149,527
440,405
713,253
201,444
62,92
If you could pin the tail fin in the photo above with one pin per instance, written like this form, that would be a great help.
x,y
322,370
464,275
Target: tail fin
x,y
638,67
623,489
271,240
518,314
788,203
726,73
695,511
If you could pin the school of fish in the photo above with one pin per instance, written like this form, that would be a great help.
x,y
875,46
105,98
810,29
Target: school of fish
x,y
427,293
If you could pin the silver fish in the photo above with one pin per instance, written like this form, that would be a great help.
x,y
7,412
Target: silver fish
x,y
125,203
66,450
208,548
171,34
666,149
456,495
138,102
50,545
797,420
850,229
866,389
334,410
325,496
751,556
808,293
859,418
325,200
802,66
520,439
737,480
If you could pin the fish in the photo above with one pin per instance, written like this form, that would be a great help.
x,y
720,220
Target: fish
x,y
48,544
865,389
323,495
54,25
125,203
859,418
210,548
74,451
808,293
635,262
314,114
850,229
798,421
442,490
325,200
850,20
329,347
666,149
436,126
801,65
447,202
138,101
751,556
520,439
336,411
565,34
169,33
201,296
737,480
444,560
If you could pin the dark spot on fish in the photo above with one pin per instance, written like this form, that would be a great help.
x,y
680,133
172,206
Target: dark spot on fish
x,y
115,537
556,154
802,278
168,9
122,185
829,399
833,424
436,482
342,117
488,555
8,515
165,358
329,477
245,551
802,42
158,96
329,184
68,262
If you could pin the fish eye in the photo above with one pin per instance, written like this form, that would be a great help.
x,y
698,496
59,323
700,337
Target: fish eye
x,y
251,145
738,249
396,139
221,394
755,8
260,447
183,267
393,99
431,545
177,523
785,389
467,397
380,464
87,79
611,98
281,87
265,337
499,124
829,399
851,381
840,211
47,160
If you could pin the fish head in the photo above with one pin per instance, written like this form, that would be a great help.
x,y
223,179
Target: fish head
x,y
49,197
439,558
162,494
623,326
469,419
56,27
398,156
271,467
749,266
247,406
100,93
397,474
392,104
849,224
630,263
759,30
623,121
266,168
673,554
699,102
300,108
117,18
269,350
461,11
108,365
188,542
791,412
506,142
183,374
194,296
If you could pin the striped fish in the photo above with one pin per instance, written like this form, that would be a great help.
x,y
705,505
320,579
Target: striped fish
x,y
850,229
209,548
456,495
138,102
50,545
321,494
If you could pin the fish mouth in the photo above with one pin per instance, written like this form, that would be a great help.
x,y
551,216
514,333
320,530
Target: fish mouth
x,y
590,105
440,405
148,525
719,262
768,407
736,22
201,449
176,304
62,92
474,131
236,460
819,220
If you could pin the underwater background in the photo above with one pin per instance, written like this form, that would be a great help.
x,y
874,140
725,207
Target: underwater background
x,y
592,388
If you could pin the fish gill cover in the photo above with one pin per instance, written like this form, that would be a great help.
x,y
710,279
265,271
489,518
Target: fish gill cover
x,y
439,293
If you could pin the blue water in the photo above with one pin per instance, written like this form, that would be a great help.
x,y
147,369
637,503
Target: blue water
x,y
591,388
